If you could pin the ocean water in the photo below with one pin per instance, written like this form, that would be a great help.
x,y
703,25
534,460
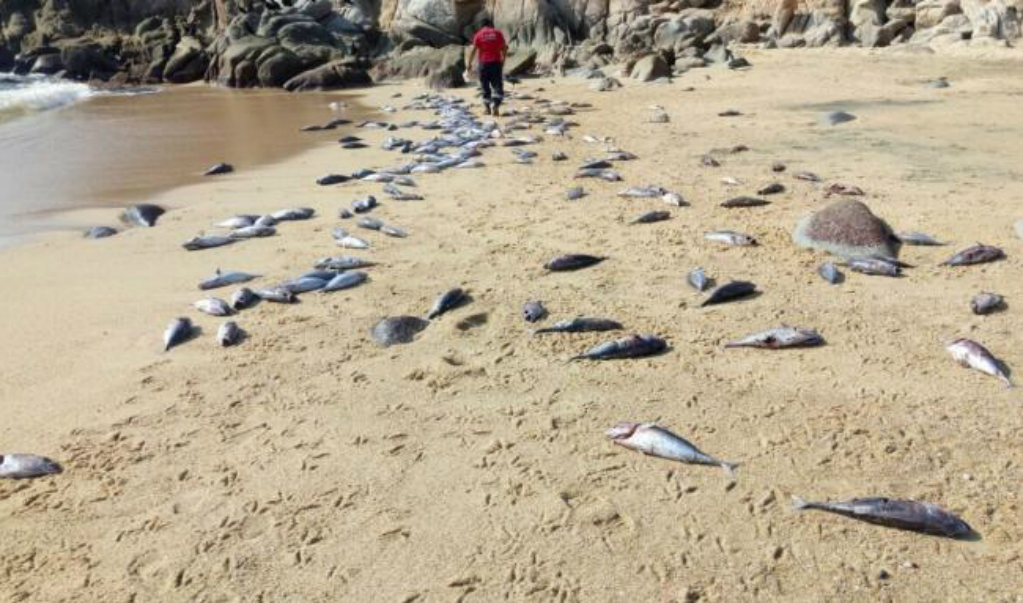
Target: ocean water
x,y
66,146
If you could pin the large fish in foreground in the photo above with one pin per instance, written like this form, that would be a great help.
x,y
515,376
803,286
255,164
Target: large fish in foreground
x,y
655,440
901,514
971,354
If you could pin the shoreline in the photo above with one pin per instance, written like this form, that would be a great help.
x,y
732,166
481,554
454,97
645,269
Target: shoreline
x,y
310,464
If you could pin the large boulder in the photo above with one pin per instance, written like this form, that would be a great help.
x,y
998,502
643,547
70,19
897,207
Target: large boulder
x,y
650,68
48,64
519,63
85,60
847,229
932,12
991,19
332,76
277,66
866,18
442,67
188,63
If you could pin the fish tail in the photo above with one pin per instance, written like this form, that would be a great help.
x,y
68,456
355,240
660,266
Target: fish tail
x,y
1008,382
730,469
799,504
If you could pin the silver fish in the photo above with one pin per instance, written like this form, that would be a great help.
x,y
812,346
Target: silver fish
x,y
730,237
343,262
986,303
447,301
830,273
699,280
243,298
350,242
642,192
239,221
673,199
26,466
978,254
345,280
778,338
633,346
229,334
178,331
901,514
581,325
874,266
654,440
265,221
213,306
303,285
252,232
806,176
223,279
296,213
971,354
369,223
143,214
393,231
918,238
277,295
206,242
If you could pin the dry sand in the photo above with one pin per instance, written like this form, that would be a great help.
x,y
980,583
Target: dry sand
x,y
308,464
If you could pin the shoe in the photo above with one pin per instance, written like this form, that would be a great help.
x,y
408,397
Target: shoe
x,y
496,112
487,109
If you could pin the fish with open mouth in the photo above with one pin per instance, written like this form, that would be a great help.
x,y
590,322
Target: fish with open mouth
x,y
654,440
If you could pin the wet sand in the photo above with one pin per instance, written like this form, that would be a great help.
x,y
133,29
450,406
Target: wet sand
x,y
308,464
116,149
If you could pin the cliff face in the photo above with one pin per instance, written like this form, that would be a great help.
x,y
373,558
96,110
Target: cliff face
x,y
271,42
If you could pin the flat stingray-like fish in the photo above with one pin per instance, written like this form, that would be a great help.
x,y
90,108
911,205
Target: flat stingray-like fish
x,y
978,254
654,440
633,346
971,354
900,514
26,466
581,325
778,338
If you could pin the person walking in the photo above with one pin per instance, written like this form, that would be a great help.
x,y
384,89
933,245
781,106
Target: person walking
x,y
490,47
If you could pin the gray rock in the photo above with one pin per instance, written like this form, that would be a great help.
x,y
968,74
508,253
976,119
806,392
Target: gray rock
x,y
520,63
649,68
847,229
278,66
398,329
188,63
331,76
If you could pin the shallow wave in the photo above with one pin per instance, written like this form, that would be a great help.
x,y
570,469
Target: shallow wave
x,y
21,95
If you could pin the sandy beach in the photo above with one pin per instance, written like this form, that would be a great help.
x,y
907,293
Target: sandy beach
x,y
310,464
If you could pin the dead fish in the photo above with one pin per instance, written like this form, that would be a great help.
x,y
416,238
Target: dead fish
x,y
364,204
651,217
673,199
345,280
302,285
277,295
350,242
978,254
901,514
448,300
730,237
830,273
253,232
699,280
243,298
745,201
598,164
344,213
343,262
971,354
178,331
730,292
370,223
575,261
223,279
26,466
739,148
642,192
339,232
918,239
265,221
847,190
393,231
874,266
220,168
777,167
575,193
581,325
807,176
654,440
100,232
239,221
772,189
229,334
559,156
835,118
206,242
143,214
778,338
986,303
397,329
213,307
533,311
332,179
709,161
633,346
293,214
729,113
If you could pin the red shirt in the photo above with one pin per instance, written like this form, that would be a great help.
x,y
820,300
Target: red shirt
x,y
490,44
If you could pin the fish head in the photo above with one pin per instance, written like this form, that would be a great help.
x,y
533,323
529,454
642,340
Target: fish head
x,y
622,431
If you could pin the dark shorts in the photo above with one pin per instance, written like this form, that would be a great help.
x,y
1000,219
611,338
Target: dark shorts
x,y
492,82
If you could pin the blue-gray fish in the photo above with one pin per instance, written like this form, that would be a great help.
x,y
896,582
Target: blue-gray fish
x,y
654,440
252,232
303,285
393,231
448,300
345,280
575,261
533,311
730,292
178,331
278,295
918,238
343,262
699,280
220,168
971,354
830,273
978,254
364,204
100,232
243,298
397,330
581,325
370,223
239,221
652,216
229,334
26,466
223,279
207,242
875,266
986,303
633,346
901,514
265,221
213,306
292,214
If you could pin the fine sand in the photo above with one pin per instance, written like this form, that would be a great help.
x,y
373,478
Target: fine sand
x,y
309,464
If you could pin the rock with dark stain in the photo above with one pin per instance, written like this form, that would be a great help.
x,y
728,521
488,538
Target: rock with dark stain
x,y
398,330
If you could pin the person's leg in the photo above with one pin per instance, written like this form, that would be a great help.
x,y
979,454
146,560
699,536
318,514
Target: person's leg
x,y
498,85
484,86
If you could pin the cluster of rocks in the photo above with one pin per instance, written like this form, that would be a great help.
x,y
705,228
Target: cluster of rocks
x,y
303,44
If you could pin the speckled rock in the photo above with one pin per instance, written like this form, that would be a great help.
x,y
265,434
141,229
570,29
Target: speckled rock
x,y
847,229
